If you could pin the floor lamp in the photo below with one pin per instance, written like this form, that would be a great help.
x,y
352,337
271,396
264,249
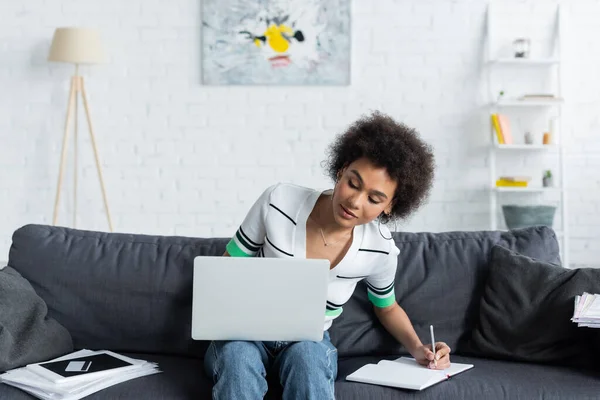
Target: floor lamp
x,y
77,46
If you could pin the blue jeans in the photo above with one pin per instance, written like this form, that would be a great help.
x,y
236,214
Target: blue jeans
x,y
306,370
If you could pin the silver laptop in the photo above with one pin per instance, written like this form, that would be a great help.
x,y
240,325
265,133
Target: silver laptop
x,y
255,298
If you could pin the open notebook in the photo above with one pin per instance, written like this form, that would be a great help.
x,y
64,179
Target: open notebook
x,y
404,373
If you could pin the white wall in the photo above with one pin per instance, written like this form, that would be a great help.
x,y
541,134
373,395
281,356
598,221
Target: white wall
x,y
186,159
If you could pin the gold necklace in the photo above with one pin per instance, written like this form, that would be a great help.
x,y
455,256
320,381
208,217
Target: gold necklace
x,y
325,243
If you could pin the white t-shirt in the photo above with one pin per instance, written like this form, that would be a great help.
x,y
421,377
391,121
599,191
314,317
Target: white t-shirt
x,y
275,226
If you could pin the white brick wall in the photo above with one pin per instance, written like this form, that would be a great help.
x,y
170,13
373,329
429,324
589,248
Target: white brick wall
x,y
186,159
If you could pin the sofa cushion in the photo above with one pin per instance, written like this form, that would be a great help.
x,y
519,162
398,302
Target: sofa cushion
x,y
27,334
526,309
115,291
440,280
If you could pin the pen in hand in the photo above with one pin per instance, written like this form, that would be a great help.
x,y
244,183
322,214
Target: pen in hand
x,y
432,344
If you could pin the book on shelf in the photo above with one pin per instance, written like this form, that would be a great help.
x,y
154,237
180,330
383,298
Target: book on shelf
x,y
496,125
515,178
505,183
77,375
505,128
501,125
540,96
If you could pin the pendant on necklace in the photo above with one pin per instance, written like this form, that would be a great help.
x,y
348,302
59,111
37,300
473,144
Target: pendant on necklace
x,y
323,236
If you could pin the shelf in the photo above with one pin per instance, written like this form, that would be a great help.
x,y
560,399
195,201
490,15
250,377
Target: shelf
x,y
532,147
525,61
526,189
527,103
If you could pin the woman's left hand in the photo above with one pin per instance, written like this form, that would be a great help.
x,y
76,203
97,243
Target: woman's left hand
x,y
424,356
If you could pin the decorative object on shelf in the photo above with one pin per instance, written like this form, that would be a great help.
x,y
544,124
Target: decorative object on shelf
x,y
521,47
528,138
500,95
518,216
276,43
547,180
547,138
77,46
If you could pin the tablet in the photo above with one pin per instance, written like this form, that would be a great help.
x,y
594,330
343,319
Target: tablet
x,y
81,368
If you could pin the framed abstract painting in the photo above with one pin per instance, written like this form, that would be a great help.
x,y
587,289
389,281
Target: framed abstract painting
x,y
276,42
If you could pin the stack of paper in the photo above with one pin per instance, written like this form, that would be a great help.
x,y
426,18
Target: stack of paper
x,y
587,310
77,375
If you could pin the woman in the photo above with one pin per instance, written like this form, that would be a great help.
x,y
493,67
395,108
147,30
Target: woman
x,y
382,172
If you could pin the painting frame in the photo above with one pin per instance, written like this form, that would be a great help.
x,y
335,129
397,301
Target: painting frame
x,y
276,42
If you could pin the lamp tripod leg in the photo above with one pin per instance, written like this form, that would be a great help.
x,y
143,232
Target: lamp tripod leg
x,y
98,167
65,145
75,150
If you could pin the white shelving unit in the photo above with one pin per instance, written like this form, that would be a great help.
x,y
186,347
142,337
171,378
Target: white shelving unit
x,y
556,149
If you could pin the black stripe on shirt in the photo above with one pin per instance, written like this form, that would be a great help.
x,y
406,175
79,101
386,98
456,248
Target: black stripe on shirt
x,y
381,291
246,244
333,305
278,249
374,251
248,239
284,214
379,288
352,277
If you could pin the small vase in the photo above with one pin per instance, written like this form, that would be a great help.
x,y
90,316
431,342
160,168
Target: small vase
x,y
547,181
521,47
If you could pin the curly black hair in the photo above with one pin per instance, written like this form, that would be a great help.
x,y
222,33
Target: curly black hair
x,y
391,145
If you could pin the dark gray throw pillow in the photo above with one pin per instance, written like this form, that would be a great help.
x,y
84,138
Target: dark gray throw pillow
x,y
27,334
526,309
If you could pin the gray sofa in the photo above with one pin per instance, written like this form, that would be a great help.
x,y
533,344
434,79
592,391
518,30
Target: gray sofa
x,y
132,294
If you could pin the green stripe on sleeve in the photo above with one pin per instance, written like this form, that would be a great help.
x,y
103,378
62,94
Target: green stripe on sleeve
x,y
234,250
382,302
333,313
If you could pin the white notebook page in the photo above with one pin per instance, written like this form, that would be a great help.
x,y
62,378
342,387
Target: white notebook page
x,y
404,373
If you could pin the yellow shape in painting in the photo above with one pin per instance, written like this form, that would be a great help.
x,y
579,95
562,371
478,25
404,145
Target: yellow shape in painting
x,y
257,42
276,39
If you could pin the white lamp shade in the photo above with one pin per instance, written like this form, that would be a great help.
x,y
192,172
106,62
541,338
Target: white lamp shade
x,y
77,45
